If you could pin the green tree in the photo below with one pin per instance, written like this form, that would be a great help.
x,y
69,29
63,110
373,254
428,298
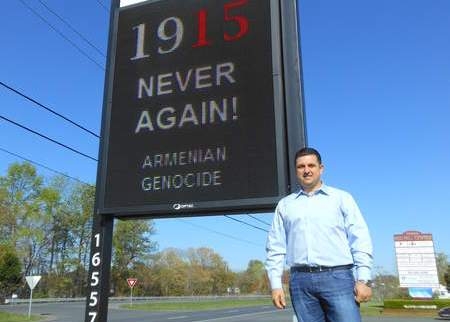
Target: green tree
x,y
254,279
69,208
147,284
6,221
442,266
171,273
131,245
222,277
386,285
63,203
197,271
50,205
10,271
208,272
81,205
447,278
21,188
48,223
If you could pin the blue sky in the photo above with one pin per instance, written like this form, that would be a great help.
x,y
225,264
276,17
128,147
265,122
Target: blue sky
x,y
377,93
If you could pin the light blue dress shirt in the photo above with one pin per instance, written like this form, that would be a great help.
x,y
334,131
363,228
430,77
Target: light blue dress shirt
x,y
325,228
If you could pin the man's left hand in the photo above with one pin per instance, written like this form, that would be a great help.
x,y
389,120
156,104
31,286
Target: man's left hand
x,y
363,293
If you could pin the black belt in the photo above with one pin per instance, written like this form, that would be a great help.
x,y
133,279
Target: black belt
x,y
316,269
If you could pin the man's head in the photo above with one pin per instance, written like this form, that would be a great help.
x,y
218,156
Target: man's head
x,y
309,168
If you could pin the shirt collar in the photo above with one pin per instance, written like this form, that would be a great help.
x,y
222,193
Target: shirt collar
x,y
324,189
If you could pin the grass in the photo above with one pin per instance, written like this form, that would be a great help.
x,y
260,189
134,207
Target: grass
x,y
367,309
377,309
11,317
198,305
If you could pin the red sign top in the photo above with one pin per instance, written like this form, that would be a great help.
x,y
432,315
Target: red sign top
x,y
131,282
411,235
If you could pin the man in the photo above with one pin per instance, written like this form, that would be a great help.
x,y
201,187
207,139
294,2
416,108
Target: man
x,y
320,233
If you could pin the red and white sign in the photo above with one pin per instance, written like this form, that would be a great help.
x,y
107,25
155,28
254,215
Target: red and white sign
x,y
416,259
131,282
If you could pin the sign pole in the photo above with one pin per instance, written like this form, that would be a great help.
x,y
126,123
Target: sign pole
x,y
29,305
99,269
131,297
293,92
131,283
102,226
32,282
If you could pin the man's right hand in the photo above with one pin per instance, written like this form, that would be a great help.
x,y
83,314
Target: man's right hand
x,y
278,298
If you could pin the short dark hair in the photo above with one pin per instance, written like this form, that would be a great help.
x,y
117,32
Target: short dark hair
x,y
308,151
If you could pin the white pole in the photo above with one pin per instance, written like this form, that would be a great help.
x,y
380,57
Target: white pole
x,y
131,298
29,306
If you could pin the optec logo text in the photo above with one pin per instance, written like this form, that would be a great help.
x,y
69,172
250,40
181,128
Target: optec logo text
x,y
179,206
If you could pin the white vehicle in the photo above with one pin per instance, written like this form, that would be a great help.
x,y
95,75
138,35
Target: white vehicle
x,y
442,292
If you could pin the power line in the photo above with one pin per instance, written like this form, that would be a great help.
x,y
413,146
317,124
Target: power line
x,y
63,36
72,28
43,166
245,223
48,109
48,138
261,221
219,233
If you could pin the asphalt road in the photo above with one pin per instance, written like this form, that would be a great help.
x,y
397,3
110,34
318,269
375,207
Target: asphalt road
x,y
74,312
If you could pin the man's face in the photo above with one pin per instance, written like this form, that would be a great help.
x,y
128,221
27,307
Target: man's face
x,y
309,172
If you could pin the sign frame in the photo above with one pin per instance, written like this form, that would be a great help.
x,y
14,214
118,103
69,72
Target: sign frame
x,y
288,124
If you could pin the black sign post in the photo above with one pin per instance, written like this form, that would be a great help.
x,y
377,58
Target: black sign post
x,y
203,112
99,269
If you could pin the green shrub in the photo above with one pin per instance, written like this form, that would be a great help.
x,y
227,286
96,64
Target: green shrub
x,y
415,304
10,272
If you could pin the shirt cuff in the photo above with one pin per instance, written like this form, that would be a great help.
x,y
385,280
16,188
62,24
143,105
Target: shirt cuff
x,y
363,273
275,281
276,285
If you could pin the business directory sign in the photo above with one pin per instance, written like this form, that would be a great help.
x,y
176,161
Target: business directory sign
x,y
416,260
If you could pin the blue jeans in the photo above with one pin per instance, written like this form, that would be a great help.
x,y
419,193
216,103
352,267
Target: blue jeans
x,y
324,296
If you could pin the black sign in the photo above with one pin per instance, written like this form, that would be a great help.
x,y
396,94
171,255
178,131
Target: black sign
x,y
196,121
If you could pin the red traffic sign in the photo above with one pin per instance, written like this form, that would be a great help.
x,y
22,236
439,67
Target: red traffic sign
x,y
131,282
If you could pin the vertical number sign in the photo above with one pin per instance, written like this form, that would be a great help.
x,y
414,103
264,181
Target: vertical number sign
x,y
94,278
